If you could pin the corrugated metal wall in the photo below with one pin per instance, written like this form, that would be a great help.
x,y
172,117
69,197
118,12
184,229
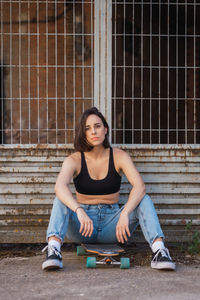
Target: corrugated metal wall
x,y
27,178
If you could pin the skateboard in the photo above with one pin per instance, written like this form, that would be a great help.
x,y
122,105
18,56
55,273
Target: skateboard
x,y
108,251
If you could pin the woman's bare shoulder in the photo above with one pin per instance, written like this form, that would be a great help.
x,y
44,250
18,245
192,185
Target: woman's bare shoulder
x,y
119,152
73,158
120,157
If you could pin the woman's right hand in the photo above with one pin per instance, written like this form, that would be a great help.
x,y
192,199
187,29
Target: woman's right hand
x,y
86,228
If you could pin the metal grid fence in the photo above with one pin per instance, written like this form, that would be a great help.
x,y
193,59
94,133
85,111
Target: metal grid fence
x,y
46,56
47,68
156,72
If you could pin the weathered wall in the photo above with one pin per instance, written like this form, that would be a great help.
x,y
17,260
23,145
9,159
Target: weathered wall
x,y
27,178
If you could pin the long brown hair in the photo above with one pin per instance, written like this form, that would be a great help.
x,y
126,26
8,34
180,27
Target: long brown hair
x,y
80,142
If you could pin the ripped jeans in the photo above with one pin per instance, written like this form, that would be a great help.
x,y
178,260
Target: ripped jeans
x,y
64,222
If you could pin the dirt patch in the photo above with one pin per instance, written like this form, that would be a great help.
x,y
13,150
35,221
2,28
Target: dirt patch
x,y
139,254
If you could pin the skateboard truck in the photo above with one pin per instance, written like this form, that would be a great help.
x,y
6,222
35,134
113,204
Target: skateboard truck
x,y
108,251
108,260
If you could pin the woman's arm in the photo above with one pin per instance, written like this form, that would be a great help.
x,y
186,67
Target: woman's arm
x,y
69,168
64,178
138,188
125,164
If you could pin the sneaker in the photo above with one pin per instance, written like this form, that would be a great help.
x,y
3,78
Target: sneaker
x,y
53,259
161,260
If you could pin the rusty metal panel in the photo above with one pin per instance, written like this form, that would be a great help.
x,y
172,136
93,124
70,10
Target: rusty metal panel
x,y
28,175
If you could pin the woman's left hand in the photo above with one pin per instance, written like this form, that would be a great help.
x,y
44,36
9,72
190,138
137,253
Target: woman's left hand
x,y
122,228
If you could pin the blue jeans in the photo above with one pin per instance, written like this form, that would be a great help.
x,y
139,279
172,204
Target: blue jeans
x,y
64,222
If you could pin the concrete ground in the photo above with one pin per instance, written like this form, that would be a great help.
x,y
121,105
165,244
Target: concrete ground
x,y
23,278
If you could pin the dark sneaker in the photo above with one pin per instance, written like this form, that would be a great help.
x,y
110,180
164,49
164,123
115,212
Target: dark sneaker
x,y
53,259
161,260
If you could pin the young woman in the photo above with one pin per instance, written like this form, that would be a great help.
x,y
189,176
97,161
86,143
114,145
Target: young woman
x,y
94,215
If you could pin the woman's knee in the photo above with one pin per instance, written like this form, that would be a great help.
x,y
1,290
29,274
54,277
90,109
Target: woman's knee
x,y
59,211
57,204
146,201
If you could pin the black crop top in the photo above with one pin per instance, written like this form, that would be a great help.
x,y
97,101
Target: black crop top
x,y
84,184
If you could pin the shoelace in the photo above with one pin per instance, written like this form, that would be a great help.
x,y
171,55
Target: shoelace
x,y
51,250
163,252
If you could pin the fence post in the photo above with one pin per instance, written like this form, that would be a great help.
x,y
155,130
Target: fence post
x,y
103,58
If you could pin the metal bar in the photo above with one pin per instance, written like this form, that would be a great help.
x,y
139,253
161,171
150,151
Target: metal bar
x,y
96,52
109,66
103,54
159,67
2,83
186,124
92,52
122,2
168,86
38,76
74,66
20,80
153,34
90,66
47,73
80,1
89,98
65,73
90,34
53,98
142,68
83,47
11,80
43,34
56,71
51,66
147,130
29,77
145,98
133,73
102,91
177,81
124,78
150,74
50,1
115,74
156,67
195,72
162,130
127,146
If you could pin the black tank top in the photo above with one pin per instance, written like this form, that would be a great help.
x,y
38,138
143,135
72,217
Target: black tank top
x,y
84,184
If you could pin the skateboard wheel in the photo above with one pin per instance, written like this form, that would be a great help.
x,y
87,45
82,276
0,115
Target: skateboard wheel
x,y
80,250
125,263
91,262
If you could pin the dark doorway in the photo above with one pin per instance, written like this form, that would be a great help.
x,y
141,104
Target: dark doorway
x,y
156,72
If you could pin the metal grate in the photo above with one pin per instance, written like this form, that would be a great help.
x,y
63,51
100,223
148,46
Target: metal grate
x,y
156,72
47,68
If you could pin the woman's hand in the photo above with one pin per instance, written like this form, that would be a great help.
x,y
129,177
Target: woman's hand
x,y
86,227
122,228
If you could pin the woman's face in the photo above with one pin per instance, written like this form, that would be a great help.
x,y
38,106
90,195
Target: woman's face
x,y
94,130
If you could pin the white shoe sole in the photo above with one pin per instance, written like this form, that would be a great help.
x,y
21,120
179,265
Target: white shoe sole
x,y
52,264
163,265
